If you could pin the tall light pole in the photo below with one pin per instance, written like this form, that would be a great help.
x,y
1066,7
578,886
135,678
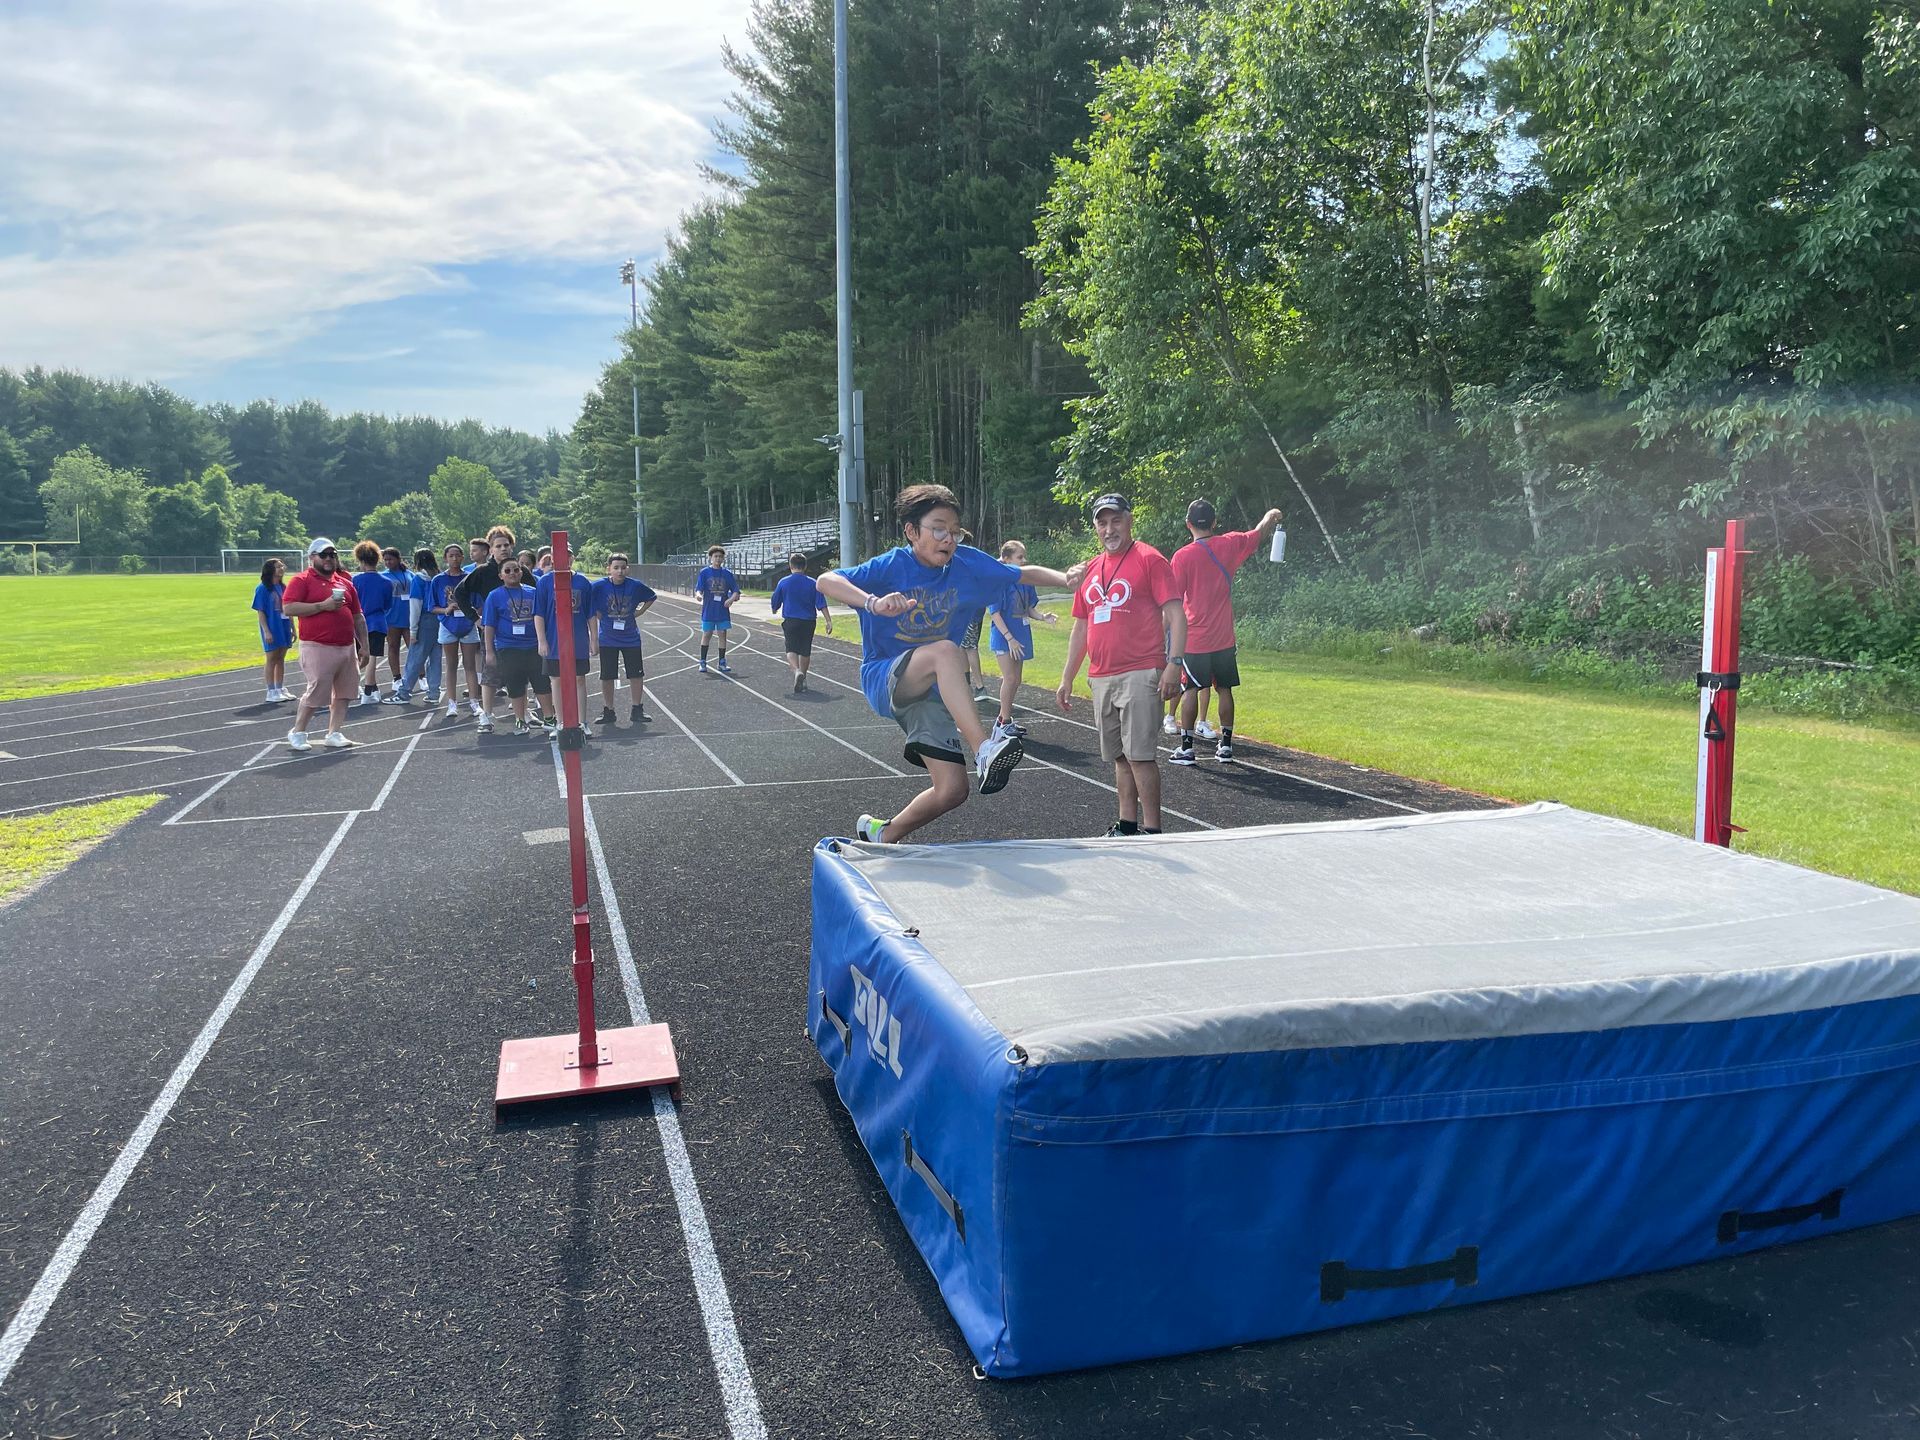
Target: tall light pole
x,y
630,278
850,500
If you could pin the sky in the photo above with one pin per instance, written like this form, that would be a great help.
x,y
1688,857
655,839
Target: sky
x,y
392,205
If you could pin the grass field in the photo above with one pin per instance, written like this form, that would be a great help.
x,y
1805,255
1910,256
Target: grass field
x,y
1823,793
32,847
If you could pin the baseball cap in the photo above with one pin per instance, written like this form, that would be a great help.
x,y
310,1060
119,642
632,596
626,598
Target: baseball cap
x,y
1202,515
317,544
1114,500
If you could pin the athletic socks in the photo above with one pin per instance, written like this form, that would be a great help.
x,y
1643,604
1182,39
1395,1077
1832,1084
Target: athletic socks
x,y
1148,830
1125,827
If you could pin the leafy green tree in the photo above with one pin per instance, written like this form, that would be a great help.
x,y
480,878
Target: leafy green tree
x,y
20,513
407,523
467,499
180,521
265,519
111,504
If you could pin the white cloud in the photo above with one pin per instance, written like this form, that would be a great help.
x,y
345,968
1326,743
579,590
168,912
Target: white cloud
x,y
212,180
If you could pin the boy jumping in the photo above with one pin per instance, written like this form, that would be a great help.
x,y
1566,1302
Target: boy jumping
x,y
913,601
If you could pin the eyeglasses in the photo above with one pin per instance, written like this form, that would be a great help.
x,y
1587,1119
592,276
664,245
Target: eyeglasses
x,y
939,533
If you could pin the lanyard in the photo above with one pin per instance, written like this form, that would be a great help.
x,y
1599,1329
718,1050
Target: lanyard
x,y
1104,582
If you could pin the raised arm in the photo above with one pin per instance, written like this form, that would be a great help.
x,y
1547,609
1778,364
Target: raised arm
x,y
836,586
1269,522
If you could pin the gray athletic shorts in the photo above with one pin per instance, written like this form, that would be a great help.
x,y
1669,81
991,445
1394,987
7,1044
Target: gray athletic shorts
x,y
929,729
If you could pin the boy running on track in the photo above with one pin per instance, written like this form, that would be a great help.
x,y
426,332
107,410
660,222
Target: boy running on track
x,y
276,631
798,602
1204,570
913,601
376,599
717,589
1011,617
546,605
513,644
399,617
619,601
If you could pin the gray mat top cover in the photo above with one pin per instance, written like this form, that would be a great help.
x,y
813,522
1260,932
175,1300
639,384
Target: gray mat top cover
x,y
1535,920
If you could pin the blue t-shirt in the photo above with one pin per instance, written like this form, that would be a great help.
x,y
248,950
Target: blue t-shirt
x,y
798,597
440,592
546,602
944,601
615,605
1013,609
376,598
509,610
398,617
266,599
717,589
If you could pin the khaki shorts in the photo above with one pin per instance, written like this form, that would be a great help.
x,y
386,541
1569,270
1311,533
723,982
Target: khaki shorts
x,y
332,671
1126,711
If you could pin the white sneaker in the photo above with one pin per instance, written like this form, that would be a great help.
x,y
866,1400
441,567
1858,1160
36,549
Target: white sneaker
x,y
336,741
485,725
297,742
453,710
1169,726
1205,731
995,762
396,698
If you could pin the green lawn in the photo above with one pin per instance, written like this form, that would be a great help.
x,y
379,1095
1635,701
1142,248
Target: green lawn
x,y
33,847
71,632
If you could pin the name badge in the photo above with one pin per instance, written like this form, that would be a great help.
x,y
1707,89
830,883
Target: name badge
x,y
519,629
619,624
1102,614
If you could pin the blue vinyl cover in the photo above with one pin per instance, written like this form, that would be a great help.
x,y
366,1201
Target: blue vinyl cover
x,y
1112,1210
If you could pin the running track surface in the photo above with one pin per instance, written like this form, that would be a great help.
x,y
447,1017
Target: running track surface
x,y
251,1183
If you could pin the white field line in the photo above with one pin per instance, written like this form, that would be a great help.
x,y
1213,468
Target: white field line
x,y
207,794
34,1309
267,719
751,785
400,764
13,720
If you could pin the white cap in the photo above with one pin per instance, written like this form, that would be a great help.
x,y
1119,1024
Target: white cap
x,y
317,544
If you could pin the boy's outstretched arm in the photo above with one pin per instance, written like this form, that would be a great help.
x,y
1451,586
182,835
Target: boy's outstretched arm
x,y
836,586
1053,579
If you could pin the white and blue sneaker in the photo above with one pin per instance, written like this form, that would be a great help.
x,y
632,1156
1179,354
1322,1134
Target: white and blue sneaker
x,y
995,761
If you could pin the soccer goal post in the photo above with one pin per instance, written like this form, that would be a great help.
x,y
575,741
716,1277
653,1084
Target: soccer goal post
x,y
234,561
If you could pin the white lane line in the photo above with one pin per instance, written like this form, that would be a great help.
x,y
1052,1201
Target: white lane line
x,y
558,834
243,819
753,785
661,706
34,1309
837,739
206,795
145,750
400,764
737,1391
17,720
268,718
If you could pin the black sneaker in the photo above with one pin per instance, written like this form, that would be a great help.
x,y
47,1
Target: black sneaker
x,y
1117,831
1182,756
607,716
642,716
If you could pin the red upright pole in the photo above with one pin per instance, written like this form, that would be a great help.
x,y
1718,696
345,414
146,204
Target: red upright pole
x,y
1719,682
568,701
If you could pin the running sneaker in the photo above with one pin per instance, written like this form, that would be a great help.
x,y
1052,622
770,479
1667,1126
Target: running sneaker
x,y
1223,751
725,669
1182,756
433,697
642,716
520,727
396,698
453,711
703,664
870,829
336,741
798,683
485,725
607,717
1206,731
995,762
297,742
1115,832
1169,726
979,692
586,729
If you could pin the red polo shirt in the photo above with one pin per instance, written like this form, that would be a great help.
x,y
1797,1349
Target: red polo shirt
x,y
331,627
1120,599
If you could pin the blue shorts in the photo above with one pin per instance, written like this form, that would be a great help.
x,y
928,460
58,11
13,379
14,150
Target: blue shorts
x,y
276,642
710,625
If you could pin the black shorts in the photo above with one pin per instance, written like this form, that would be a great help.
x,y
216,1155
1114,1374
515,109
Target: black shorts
x,y
581,664
515,669
613,656
799,635
1218,668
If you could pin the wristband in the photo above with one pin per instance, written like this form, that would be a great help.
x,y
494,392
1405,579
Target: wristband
x,y
869,603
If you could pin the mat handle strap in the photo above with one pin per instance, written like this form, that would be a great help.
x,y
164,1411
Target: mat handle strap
x,y
1337,1277
840,1026
941,1195
1735,1223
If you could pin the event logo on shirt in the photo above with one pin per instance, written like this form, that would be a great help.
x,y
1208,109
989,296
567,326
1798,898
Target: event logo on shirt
x,y
520,607
1114,597
931,616
883,1029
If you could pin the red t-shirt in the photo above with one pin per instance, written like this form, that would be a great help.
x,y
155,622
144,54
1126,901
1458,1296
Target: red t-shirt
x,y
1120,598
331,627
1207,588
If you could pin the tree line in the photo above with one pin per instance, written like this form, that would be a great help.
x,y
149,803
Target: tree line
x,y
1458,282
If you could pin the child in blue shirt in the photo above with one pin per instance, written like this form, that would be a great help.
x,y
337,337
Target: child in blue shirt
x,y
376,598
1012,637
717,589
618,603
510,631
546,622
423,629
913,602
798,602
399,620
276,630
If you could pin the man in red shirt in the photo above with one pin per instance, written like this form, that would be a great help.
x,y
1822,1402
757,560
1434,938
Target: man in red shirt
x,y
333,642
1127,620
1204,570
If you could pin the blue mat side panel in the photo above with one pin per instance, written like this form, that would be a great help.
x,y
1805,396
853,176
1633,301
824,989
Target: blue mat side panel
x,y
1159,1207
918,1066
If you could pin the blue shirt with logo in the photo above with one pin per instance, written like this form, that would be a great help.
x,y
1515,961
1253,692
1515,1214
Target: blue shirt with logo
x,y
546,603
717,589
798,597
376,598
615,605
266,599
398,612
1013,609
509,610
944,601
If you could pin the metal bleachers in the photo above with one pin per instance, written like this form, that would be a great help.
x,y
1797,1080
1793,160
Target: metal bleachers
x,y
813,530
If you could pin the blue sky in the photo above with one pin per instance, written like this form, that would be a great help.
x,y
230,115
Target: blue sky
x,y
409,206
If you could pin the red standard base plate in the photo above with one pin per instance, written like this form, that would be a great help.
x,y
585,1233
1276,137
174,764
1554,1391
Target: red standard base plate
x,y
547,1067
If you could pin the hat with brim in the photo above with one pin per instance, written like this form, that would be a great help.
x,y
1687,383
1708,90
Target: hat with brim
x,y
1112,501
317,544
1201,515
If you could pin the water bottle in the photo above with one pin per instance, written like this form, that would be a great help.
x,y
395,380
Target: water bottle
x,y
1279,551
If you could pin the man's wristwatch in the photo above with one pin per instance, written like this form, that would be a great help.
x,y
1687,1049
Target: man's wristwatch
x,y
1176,659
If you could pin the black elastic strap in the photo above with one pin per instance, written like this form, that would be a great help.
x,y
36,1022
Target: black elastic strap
x,y
1736,1223
1717,679
940,1193
1337,1277
841,1028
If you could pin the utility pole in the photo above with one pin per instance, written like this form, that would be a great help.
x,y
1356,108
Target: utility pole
x,y
630,277
850,498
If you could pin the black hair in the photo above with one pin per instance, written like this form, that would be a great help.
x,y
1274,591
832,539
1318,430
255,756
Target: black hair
x,y
796,561
916,500
266,571
425,559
